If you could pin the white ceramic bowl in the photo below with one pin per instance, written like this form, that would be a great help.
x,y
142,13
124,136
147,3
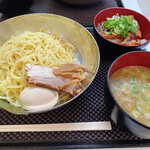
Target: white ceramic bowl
x,y
79,2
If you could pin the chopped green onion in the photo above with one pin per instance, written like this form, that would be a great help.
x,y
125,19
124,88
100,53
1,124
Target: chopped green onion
x,y
139,107
132,80
120,25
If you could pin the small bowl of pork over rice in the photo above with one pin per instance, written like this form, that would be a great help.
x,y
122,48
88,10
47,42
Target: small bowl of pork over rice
x,y
46,62
121,30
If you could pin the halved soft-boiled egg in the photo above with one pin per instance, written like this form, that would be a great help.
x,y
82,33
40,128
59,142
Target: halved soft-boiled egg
x,y
38,98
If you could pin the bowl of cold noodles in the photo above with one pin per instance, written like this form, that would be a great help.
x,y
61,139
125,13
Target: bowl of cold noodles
x,y
127,92
121,30
45,62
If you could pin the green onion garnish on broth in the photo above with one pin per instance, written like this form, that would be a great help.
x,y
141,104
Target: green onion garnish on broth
x,y
120,25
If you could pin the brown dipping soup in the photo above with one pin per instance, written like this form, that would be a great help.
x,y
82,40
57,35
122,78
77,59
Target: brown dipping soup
x,y
131,88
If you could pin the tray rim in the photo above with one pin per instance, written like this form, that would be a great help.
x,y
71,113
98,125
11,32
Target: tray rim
x,y
74,145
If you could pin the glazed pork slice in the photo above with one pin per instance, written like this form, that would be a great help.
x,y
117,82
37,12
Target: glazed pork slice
x,y
43,76
71,70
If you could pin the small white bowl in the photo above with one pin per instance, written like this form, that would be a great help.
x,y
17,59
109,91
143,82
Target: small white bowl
x,y
79,2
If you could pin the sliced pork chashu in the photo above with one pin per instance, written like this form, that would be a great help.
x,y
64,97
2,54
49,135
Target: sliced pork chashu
x,y
44,76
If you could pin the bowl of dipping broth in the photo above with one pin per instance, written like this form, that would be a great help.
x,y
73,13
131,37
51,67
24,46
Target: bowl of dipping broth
x,y
127,92
121,30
